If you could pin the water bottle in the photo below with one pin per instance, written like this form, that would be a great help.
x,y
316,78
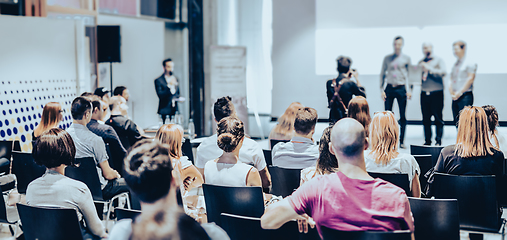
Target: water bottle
x,y
191,129
178,119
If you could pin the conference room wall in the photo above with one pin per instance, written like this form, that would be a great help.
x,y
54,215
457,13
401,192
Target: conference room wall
x,y
142,53
295,78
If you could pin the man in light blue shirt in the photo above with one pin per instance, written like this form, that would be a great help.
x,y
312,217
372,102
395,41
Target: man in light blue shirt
x,y
300,152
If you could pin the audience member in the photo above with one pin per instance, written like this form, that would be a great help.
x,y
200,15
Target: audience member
x,y
301,152
250,152
116,151
51,117
103,93
86,94
348,200
327,162
473,153
126,129
172,135
498,139
122,91
55,150
284,129
359,110
90,145
226,170
384,156
149,175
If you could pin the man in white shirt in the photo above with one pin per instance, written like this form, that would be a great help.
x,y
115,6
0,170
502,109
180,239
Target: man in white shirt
x,y
250,153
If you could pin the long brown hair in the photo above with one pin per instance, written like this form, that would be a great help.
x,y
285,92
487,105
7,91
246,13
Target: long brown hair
x,y
358,109
172,135
327,162
51,116
492,114
285,124
473,137
384,137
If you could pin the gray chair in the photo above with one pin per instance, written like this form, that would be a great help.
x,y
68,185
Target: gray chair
x,y
436,219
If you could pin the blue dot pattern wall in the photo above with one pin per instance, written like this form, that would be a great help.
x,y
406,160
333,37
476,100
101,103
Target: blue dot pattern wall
x,y
21,104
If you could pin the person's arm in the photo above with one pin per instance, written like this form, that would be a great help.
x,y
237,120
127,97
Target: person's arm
x,y
438,70
107,171
408,88
87,208
253,179
266,178
278,214
191,177
383,77
416,186
468,83
329,91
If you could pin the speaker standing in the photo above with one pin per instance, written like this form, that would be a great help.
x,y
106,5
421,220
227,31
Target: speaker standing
x,y
168,91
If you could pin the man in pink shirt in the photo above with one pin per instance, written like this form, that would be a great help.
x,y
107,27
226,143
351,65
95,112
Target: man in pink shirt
x,y
348,200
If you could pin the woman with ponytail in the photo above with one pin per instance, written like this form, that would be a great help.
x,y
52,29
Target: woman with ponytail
x,y
497,139
227,170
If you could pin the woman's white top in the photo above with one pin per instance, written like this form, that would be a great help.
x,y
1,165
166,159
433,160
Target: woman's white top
x,y
403,163
226,174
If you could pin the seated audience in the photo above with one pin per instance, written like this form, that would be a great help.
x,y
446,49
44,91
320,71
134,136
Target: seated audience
x,y
348,200
496,138
384,156
284,129
90,145
327,162
149,174
358,109
51,117
473,153
227,170
116,151
55,150
102,92
126,129
301,152
250,152
121,91
172,135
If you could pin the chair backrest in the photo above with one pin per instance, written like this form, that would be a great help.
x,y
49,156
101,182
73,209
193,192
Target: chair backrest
x,y
478,208
284,181
245,201
25,169
16,146
436,219
423,150
267,157
425,164
186,148
273,142
86,172
398,179
45,223
122,213
5,156
328,233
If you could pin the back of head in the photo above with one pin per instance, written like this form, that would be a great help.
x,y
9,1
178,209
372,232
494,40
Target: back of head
x,y
95,100
358,109
116,101
223,107
286,121
118,91
492,114
54,148
79,107
86,94
172,135
473,133
148,170
51,115
344,64
306,119
348,138
384,137
327,162
101,91
230,133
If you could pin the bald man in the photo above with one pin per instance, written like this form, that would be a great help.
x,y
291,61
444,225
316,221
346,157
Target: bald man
x,y
343,200
432,93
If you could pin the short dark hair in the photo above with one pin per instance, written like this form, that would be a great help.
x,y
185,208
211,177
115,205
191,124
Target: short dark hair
x,y
344,64
86,94
398,37
460,43
95,101
223,107
167,60
306,119
79,107
230,131
54,148
118,91
148,170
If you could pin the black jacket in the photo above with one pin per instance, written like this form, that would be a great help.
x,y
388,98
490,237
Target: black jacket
x,y
165,106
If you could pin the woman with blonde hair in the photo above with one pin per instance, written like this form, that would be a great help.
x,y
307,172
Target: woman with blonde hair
x,y
284,130
172,135
358,109
384,156
51,117
473,153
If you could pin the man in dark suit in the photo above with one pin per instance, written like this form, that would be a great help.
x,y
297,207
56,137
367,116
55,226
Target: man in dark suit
x,y
168,91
